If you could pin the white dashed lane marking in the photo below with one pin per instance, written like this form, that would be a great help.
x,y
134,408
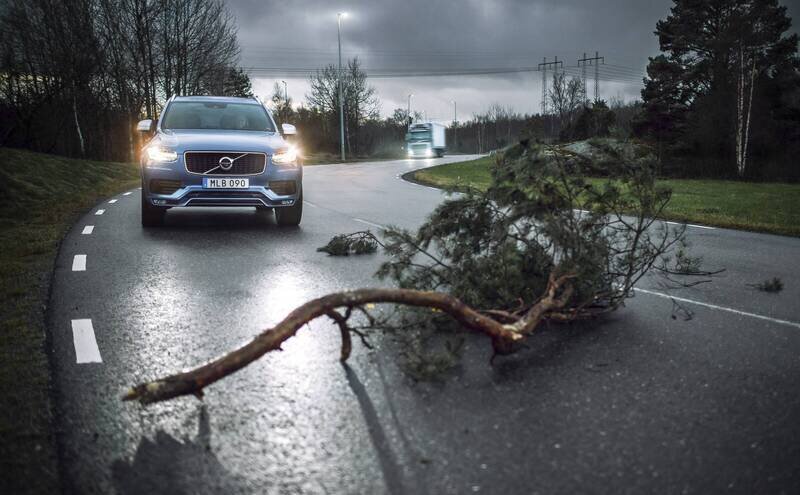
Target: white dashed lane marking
x,y
112,201
376,225
720,308
309,203
86,350
99,212
79,263
88,229
127,193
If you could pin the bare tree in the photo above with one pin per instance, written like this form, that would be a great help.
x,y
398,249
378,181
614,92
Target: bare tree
x,y
77,74
281,103
566,97
360,101
745,83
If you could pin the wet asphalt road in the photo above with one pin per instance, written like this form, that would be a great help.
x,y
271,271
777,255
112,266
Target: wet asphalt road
x,y
636,403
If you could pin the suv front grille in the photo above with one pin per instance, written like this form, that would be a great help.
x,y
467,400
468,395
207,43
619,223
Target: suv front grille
x,y
207,163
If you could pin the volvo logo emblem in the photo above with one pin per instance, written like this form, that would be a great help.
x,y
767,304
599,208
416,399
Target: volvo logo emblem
x,y
225,163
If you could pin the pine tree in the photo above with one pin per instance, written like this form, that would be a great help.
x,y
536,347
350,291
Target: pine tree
x,y
701,90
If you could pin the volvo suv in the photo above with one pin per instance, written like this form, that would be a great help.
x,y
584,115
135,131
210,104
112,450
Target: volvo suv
x,y
219,151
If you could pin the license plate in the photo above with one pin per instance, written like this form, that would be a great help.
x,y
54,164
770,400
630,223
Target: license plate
x,y
225,183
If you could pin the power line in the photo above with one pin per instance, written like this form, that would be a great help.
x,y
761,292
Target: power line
x,y
596,61
609,73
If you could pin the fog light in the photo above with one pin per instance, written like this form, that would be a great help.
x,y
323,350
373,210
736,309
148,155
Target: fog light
x,y
283,187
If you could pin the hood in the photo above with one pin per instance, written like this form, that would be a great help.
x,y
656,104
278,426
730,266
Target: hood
x,y
219,140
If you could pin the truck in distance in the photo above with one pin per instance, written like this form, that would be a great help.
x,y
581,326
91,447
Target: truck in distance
x,y
425,139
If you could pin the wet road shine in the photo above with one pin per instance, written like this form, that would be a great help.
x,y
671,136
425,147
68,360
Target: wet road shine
x,y
638,402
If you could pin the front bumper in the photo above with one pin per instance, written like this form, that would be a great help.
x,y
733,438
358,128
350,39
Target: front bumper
x,y
189,191
420,150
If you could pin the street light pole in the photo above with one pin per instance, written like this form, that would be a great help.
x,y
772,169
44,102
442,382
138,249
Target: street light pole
x,y
455,125
341,103
285,101
408,112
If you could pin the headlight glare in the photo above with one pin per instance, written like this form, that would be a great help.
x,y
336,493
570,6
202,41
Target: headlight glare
x,y
286,157
160,154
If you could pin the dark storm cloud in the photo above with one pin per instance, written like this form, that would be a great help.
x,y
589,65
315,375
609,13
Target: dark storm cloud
x,y
426,35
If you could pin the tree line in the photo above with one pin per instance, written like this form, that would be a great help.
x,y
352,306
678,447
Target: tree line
x,y
721,100
76,75
369,134
723,97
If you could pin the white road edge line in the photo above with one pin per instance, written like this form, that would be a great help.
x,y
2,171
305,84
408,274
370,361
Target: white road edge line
x,y
79,263
127,193
112,201
400,177
86,350
376,225
99,212
88,229
694,225
721,308
672,223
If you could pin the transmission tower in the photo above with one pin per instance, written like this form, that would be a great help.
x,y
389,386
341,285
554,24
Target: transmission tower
x,y
543,67
583,78
596,61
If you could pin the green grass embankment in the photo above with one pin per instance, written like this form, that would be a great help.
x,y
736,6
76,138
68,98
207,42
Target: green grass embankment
x,y
41,196
755,206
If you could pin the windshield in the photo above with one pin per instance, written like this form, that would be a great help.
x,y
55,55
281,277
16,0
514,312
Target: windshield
x,y
213,115
419,135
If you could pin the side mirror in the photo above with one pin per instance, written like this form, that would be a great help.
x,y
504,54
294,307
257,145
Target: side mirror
x,y
288,129
145,125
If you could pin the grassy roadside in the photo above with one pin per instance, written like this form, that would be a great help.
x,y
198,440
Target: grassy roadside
x,y
40,198
760,207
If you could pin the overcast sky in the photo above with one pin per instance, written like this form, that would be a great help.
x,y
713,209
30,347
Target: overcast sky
x,y
423,36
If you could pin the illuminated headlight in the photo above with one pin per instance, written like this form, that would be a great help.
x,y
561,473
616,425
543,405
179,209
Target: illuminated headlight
x,y
161,155
286,157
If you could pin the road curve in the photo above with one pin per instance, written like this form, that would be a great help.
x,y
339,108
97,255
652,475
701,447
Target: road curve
x,y
639,402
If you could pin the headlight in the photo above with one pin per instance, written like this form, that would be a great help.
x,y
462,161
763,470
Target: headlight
x,y
286,157
159,154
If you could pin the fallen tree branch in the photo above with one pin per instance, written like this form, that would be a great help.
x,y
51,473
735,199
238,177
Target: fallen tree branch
x,y
363,242
503,336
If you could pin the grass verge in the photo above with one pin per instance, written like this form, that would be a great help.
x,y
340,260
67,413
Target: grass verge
x,y
40,198
760,207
